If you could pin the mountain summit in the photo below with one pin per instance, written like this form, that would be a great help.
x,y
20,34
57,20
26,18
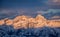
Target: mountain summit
x,y
30,22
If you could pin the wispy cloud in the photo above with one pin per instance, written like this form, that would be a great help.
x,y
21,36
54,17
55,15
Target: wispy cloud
x,y
53,2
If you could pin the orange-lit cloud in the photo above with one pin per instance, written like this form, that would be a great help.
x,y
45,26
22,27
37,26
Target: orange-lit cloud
x,y
56,17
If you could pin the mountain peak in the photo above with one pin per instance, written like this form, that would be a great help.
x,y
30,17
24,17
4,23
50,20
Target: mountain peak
x,y
25,22
40,17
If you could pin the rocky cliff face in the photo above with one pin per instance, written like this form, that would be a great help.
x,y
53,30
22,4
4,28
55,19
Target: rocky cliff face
x,y
30,22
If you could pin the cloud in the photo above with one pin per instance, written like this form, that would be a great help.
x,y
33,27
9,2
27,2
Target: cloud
x,y
56,17
53,2
56,0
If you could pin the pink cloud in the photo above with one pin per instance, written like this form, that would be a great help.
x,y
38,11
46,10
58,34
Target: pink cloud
x,y
53,2
56,1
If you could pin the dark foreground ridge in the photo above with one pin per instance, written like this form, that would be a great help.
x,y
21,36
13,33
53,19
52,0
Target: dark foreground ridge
x,y
9,31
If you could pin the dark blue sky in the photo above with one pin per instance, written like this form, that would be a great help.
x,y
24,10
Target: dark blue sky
x,y
43,4
28,7
21,3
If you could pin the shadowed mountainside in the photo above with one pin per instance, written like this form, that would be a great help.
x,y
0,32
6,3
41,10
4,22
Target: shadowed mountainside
x,y
9,31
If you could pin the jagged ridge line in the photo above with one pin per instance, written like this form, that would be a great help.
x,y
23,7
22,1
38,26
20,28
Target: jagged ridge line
x,y
30,22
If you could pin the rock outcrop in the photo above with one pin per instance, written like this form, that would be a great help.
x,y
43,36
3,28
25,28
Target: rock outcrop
x,y
30,22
